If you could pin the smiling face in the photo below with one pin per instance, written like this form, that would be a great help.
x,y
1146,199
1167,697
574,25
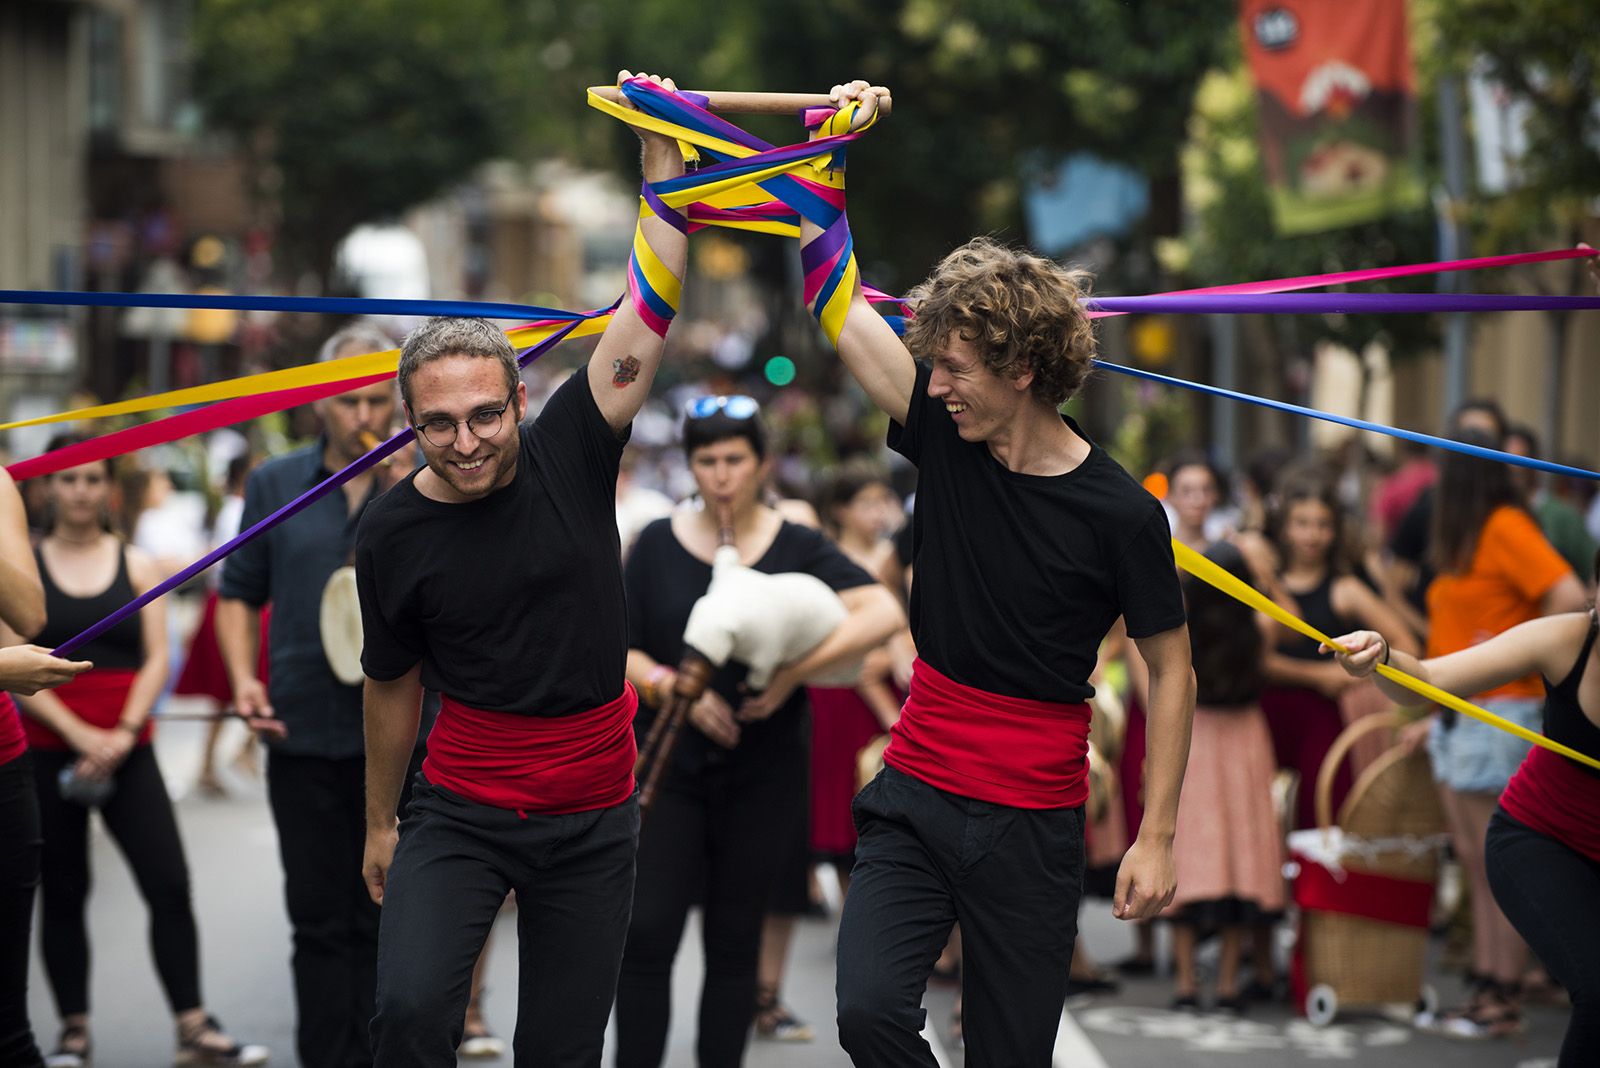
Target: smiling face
x,y
981,403
463,390
728,472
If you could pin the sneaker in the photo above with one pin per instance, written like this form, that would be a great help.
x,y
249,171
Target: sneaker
x,y
487,1047
208,1044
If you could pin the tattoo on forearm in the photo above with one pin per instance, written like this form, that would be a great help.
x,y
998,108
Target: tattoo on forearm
x,y
624,371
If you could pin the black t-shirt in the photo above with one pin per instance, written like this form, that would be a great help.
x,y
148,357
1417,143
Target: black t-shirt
x,y
663,582
1018,577
512,603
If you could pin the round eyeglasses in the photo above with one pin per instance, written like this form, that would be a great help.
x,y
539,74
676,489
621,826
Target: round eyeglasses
x,y
735,407
484,423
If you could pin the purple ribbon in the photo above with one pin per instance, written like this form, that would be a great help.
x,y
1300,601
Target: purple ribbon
x,y
294,507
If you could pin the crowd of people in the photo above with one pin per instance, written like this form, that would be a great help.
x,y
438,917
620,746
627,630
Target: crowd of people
x,y
952,748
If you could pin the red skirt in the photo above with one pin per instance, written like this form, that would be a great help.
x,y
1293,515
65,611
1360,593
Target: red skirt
x,y
841,726
97,697
1304,725
204,674
1130,768
13,742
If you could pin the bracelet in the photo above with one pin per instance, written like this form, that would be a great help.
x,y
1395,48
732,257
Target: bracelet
x,y
134,729
1386,648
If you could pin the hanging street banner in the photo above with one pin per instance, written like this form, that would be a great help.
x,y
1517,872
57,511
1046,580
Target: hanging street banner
x,y
1335,95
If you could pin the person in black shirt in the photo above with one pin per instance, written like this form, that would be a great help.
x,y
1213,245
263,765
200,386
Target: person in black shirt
x,y
311,720
91,745
1029,542
493,576
734,796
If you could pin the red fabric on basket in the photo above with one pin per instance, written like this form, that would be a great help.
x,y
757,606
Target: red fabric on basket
x,y
1384,898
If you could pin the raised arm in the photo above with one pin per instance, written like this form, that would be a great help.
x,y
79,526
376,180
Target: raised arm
x,y
868,345
625,361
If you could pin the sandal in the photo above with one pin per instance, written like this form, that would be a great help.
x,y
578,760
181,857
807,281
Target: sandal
x,y
72,1049
1493,1012
774,1022
208,1044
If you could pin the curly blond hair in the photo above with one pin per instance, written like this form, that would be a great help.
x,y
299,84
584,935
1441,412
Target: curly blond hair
x,y
1022,312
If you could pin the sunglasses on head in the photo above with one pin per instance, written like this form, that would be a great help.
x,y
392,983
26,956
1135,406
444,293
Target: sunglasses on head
x,y
736,407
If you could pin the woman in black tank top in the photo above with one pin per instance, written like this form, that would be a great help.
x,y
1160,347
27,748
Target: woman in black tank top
x,y
1302,701
91,743
1542,845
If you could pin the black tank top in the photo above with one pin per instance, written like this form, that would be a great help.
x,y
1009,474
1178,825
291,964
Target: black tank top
x,y
1316,608
1564,720
121,647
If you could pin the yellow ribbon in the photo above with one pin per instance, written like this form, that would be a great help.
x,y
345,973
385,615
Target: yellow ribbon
x,y
311,374
1237,588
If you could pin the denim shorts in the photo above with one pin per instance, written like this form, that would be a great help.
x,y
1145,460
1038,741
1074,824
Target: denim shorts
x,y
1474,758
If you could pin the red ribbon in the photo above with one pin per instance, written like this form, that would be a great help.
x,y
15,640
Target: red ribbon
x,y
173,427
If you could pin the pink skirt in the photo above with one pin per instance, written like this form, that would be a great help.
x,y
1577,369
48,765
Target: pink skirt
x,y
1227,843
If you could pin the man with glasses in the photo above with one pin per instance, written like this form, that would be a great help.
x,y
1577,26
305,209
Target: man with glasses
x,y
310,719
493,575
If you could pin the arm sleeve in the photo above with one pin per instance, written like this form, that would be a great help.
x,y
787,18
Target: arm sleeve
x,y
576,436
1147,579
1514,546
247,571
392,640
825,561
907,440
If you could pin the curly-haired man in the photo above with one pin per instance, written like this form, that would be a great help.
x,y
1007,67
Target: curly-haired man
x,y
1029,542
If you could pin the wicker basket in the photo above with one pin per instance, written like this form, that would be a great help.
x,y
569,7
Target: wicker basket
x,y
1351,961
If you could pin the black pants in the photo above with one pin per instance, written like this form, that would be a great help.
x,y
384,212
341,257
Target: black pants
x,y
456,860
19,879
721,838
1549,893
138,814
319,807
927,859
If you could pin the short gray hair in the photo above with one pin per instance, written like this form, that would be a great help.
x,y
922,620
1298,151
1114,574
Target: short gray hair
x,y
440,337
363,335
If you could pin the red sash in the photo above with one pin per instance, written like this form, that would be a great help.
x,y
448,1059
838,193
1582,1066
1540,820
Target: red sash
x,y
550,765
96,697
1554,796
1005,750
13,742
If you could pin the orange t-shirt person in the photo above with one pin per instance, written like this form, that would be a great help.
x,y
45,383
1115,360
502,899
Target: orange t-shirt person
x,y
1513,567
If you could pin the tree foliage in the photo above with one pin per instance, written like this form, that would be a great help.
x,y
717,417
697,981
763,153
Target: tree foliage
x,y
978,87
359,109
1546,52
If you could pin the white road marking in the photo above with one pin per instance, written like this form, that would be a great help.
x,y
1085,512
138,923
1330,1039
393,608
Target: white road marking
x,y
1073,1048
930,1035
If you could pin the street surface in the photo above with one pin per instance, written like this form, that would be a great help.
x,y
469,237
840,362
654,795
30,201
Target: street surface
x,y
244,937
